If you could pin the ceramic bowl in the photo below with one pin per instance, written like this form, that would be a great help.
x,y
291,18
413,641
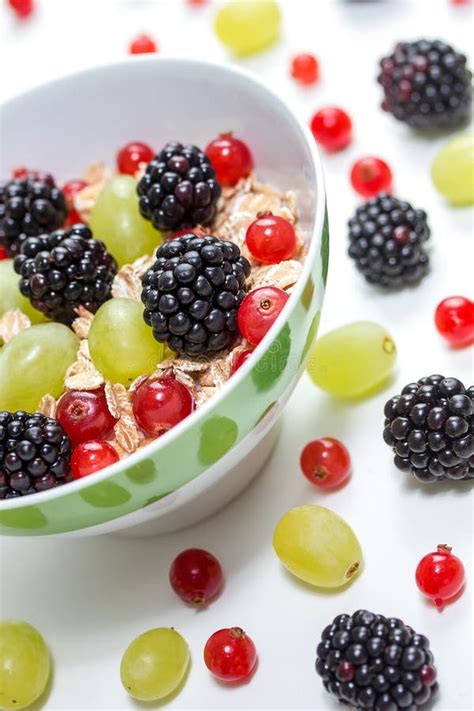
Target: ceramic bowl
x,y
207,459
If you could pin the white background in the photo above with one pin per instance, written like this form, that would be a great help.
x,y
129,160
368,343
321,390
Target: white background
x,y
90,598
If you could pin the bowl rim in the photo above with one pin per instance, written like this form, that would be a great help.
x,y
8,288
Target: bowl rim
x,y
317,229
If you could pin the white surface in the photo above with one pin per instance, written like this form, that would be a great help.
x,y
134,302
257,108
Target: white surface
x,y
90,598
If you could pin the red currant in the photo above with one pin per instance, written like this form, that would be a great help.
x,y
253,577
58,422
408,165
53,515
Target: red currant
x,y
230,654
70,190
239,359
130,156
160,404
90,457
271,239
85,415
196,576
23,8
3,254
230,158
143,44
332,128
196,2
22,173
305,69
371,176
326,463
440,575
454,319
259,311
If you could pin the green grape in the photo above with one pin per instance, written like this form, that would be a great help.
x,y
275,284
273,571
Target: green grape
x,y
122,346
34,364
248,26
317,546
452,171
154,665
10,295
354,360
116,220
25,664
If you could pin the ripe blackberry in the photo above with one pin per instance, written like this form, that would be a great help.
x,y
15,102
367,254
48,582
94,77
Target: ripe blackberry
x,y
34,454
28,207
430,429
369,661
386,237
426,84
179,189
192,293
64,270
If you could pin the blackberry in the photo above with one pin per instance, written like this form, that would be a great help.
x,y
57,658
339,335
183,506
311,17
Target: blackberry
x,y
369,661
426,84
35,453
29,207
430,429
179,189
192,293
64,270
386,241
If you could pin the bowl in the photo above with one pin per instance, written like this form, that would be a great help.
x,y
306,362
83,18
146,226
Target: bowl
x,y
207,459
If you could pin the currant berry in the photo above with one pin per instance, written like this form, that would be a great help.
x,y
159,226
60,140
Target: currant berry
x,y
22,8
3,254
143,44
332,128
305,69
259,311
196,3
70,190
130,156
371,176
196,576
440,575
239,359
230,654
326,463
22,173
90,457
271,239
454,319
84,415
230,158
159,405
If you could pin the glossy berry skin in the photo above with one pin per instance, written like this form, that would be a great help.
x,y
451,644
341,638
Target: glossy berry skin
x,y
196,576
84,415
305,69
143,44
158,405
70,190
239,359
440,575
326,463
130,156
3,254
371,176
332,128
230,158
454,319
90,457
271,239
230,655
259,311
22,8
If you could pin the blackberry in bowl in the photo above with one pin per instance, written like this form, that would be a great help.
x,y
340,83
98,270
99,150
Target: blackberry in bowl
x,y
429,427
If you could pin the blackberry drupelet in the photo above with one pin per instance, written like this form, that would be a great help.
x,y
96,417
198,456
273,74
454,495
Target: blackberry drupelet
x,y
192,294
369,661
179,189
34,454
64,270
426,84
29,207
386,241
430,429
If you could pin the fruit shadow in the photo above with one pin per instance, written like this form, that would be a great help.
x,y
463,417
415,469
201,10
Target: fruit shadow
x,y
435,488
